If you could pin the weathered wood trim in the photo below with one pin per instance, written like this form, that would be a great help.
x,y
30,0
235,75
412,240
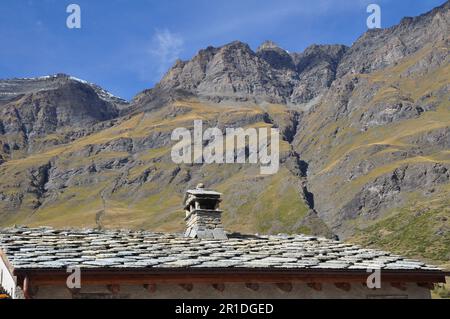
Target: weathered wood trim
x,y
151,288
216,276
6,262
187,286
27,288
315,285
285,286
399,285
252,286
219,287
343,286
114,289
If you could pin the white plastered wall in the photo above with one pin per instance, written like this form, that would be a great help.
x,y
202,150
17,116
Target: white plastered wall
x,y
7,281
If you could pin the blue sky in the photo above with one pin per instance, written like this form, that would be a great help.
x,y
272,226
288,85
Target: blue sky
x,y
126,45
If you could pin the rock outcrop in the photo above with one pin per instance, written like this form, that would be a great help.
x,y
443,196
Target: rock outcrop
x,y
234,72
33,109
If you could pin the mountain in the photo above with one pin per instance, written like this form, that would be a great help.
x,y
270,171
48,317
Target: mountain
x,y
380,48
235,73
379,169
365,150
46,111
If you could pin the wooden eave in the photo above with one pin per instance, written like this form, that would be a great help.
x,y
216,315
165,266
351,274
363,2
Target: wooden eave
x,y
125,276
6,262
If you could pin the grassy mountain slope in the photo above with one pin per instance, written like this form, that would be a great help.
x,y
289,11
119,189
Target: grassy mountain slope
x,y
364,165
114,178
365,151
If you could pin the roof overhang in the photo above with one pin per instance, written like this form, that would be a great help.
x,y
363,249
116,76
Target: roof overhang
x,y
7,279
125,276
6,262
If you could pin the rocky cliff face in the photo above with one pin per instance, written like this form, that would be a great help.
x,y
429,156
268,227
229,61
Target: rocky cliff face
x,y
235,73
383,148
31,110
378,49
364,155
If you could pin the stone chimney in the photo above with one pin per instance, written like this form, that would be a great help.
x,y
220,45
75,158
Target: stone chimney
x,y
203,217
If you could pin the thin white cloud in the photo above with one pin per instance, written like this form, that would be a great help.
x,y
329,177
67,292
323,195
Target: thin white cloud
x,y
277,12
166,49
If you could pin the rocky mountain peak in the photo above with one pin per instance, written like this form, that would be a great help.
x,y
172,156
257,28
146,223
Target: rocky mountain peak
x,y
236,45
380,48
32,108
319,54
235,72
13,88
268,45
277,57
271,74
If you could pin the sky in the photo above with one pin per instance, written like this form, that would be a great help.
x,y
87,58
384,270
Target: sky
x,y
126,46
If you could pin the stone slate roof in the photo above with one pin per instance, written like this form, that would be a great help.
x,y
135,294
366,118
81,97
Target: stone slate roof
x,y
202,191
46,248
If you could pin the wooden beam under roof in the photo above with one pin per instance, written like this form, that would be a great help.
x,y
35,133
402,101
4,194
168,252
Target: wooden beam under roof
x,y
123,276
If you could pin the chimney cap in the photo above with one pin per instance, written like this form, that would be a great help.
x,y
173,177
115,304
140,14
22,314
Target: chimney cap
x,y
200,191
203,216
